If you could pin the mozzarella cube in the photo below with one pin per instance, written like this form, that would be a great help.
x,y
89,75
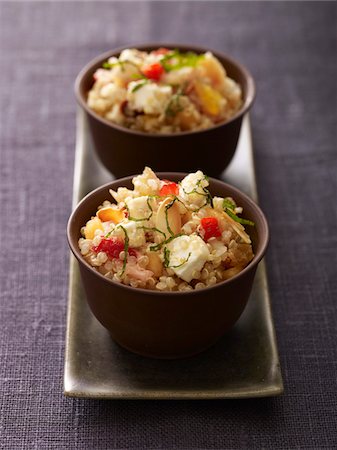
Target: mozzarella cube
x,y
135,234
187,255
191,189
148,97
113,92
146,183
138,207
133,55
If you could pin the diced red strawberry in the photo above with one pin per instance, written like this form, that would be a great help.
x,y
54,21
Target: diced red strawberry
x,y
153,71
112,247
169,188
210,227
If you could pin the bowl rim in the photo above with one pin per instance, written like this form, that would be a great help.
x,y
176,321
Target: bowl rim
x,y
250,97
255,261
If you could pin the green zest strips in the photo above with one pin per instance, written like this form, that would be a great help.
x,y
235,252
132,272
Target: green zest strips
x,y
176,60
238,219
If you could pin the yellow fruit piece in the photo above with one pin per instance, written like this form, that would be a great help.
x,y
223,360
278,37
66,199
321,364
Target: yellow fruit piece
x,y
213,70
91,226
210,98
110,214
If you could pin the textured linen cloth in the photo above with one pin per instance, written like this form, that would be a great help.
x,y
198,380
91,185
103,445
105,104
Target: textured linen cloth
x,y
290,48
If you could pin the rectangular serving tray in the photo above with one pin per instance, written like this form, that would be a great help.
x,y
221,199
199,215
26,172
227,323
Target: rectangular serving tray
x,y
243,364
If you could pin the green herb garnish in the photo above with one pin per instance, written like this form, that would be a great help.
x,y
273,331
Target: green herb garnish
x,y
107,65
153,229
141,218
140,85
126,248
229,207
138,76
176,60
167,207
174,106
156,247
205,192
227,203
167,259
238,219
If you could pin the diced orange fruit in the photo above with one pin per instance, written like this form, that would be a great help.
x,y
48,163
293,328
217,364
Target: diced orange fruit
x,y
91,226
210,98
110,214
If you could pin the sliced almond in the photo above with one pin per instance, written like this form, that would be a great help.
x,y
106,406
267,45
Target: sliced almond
x,y
240,230
186,217
110,214
155,264
168,219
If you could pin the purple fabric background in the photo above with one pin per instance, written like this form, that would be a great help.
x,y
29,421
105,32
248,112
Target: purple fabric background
x,y
290,48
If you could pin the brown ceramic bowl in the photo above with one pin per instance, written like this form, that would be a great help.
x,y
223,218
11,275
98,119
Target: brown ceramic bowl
x,y
167,324
124,151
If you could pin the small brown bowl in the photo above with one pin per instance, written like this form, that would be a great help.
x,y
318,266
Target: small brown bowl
x,y
124,151
167,324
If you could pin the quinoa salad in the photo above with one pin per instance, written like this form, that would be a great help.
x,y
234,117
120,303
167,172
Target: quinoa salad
x,y
167,236
164,91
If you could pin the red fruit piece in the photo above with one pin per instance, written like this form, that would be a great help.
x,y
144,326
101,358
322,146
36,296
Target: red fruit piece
x,y
153,71
211,228
112,247
169,188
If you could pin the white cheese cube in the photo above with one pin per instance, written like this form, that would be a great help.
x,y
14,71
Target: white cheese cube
x,y
133,55
179,76
191,189
188,254
135,234
148,97
113,92
146,183
139,207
